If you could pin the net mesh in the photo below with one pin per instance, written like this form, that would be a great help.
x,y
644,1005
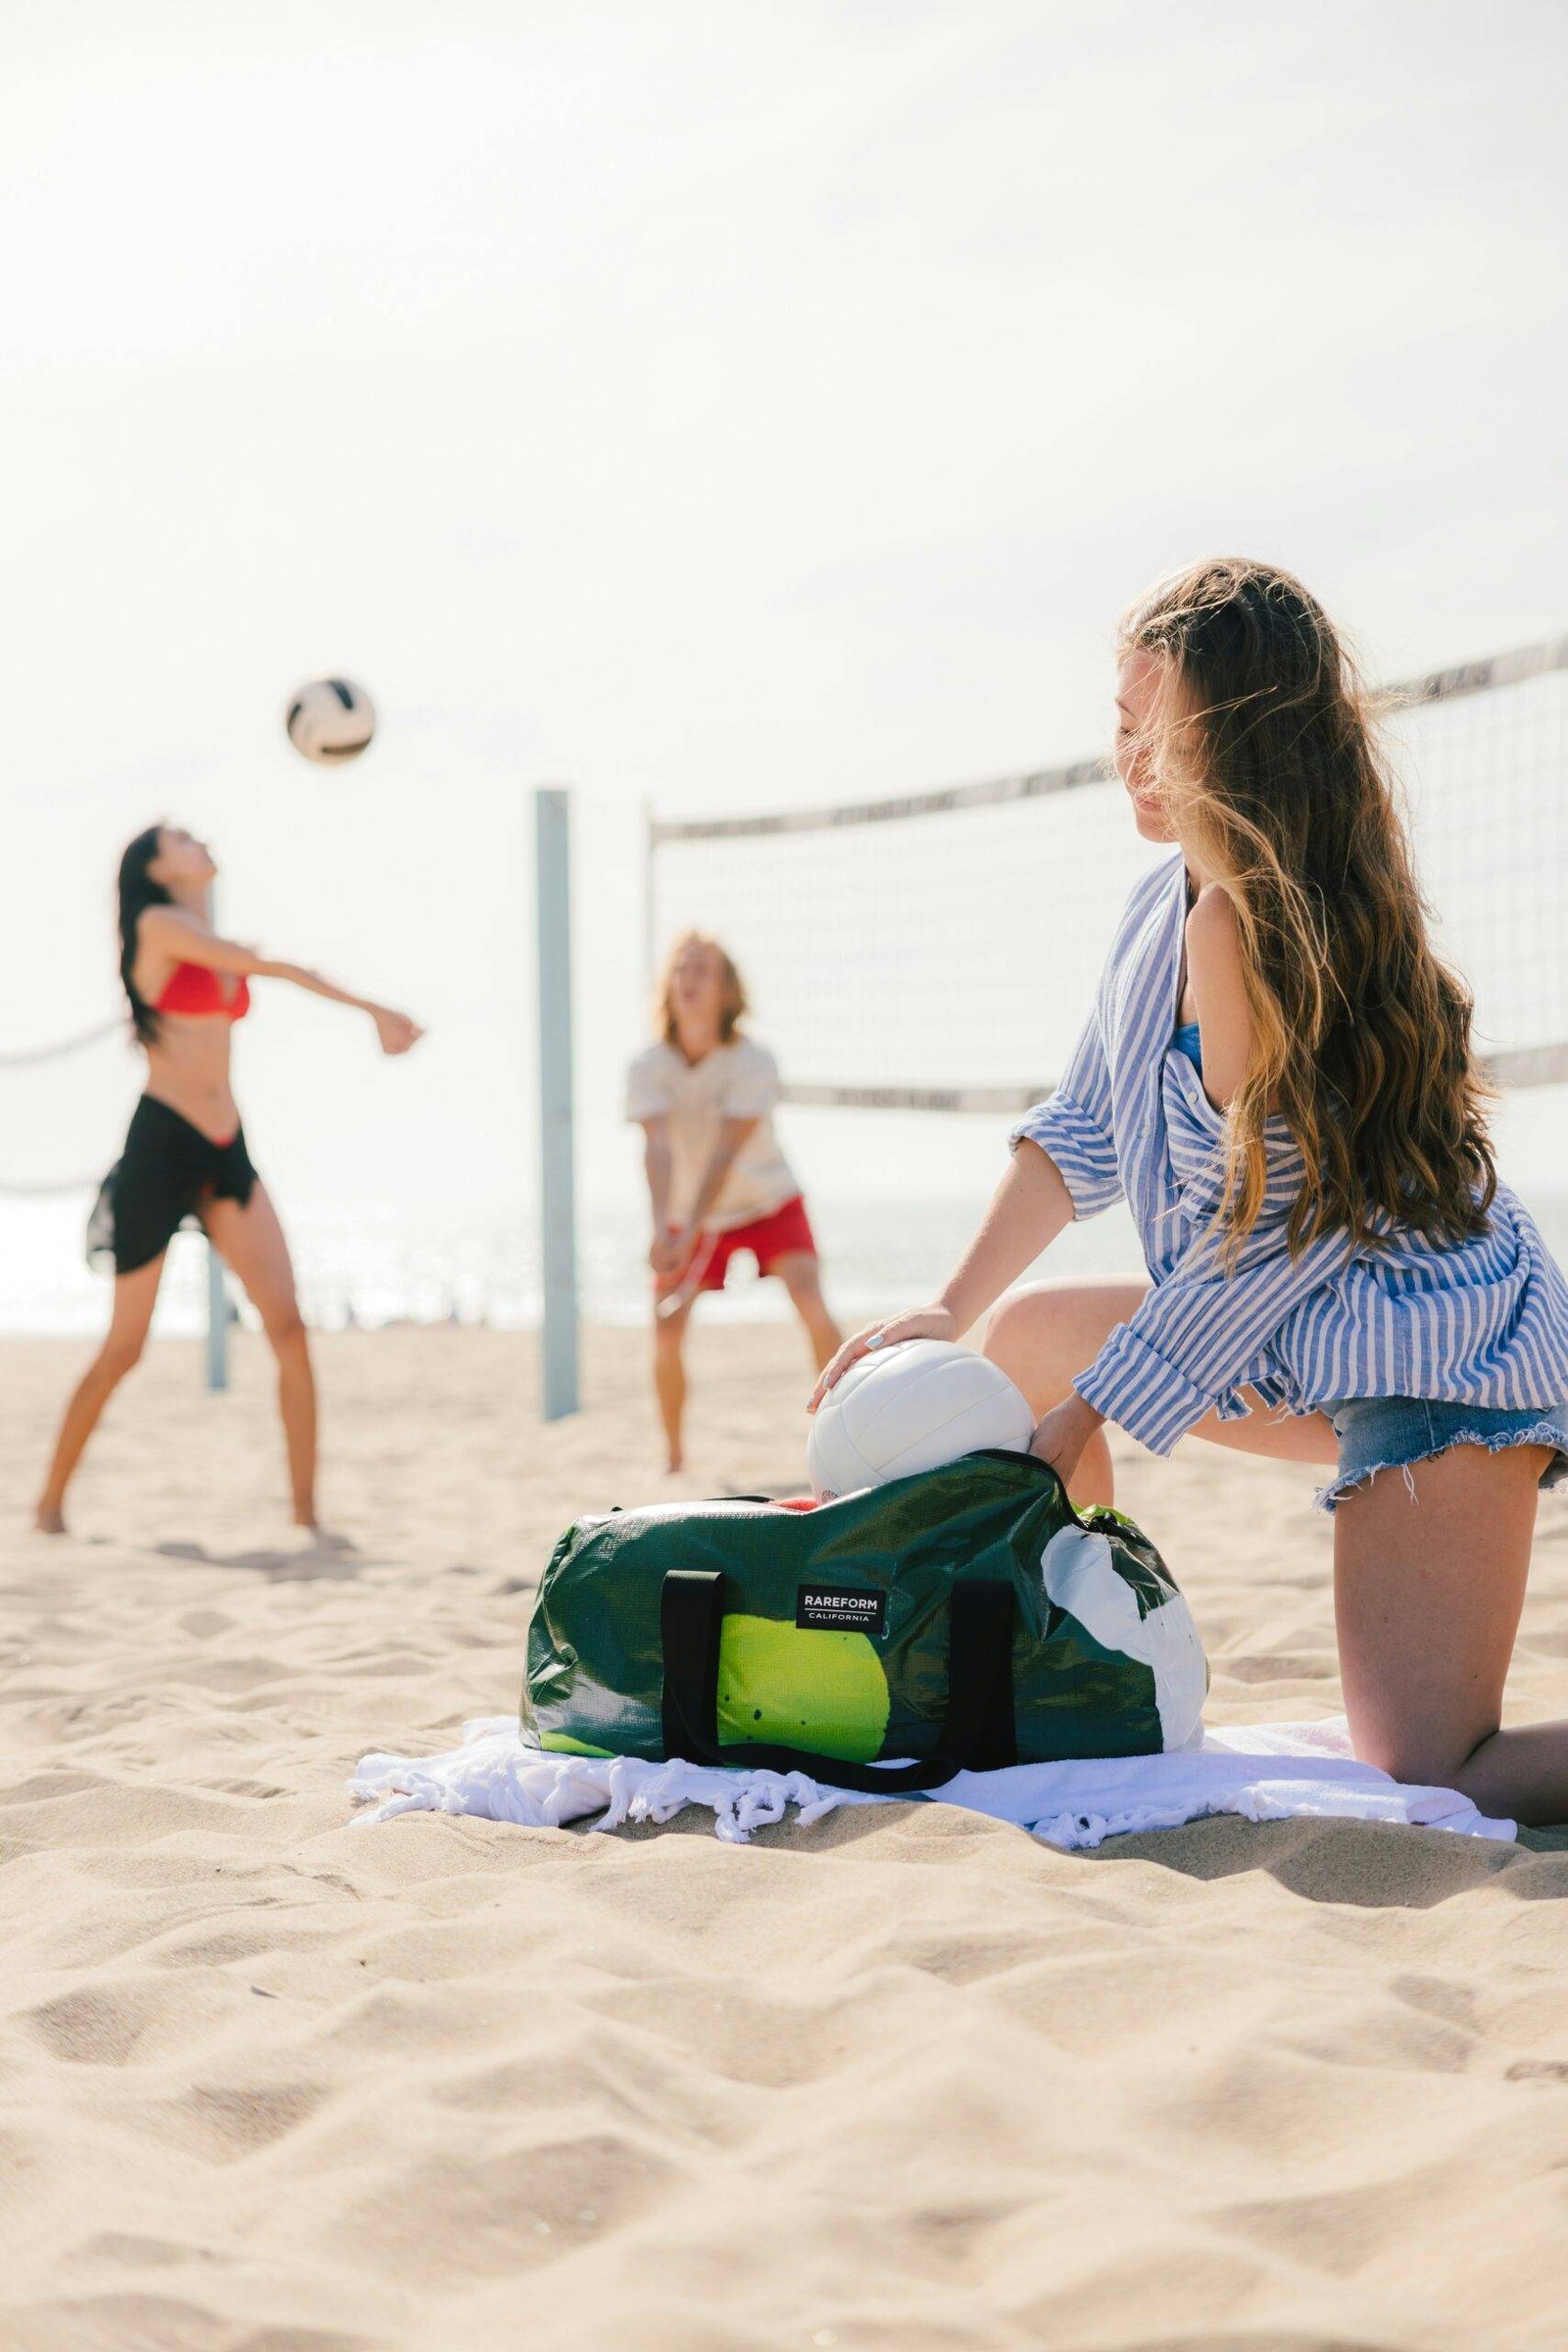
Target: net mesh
x,y
1486,782
944,955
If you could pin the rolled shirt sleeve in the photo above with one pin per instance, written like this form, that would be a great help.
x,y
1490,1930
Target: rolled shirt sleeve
x,y
1202,1328
1073,1127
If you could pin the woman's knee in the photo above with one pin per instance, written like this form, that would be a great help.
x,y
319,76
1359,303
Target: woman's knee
x,y
1016,1320
121,1354
801,1280
1044,1335
1028,1334
670,1337
285,1330
1417,1754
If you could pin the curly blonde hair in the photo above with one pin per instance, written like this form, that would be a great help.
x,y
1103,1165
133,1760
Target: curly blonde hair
x,y
1265,751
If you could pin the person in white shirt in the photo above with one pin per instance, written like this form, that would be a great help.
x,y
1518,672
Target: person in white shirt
x,y
718,1181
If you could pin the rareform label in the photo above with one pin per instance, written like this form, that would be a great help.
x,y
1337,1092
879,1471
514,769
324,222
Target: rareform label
x,y
841,1609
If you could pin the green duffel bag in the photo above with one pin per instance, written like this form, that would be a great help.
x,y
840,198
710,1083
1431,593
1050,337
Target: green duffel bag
x,y
962,1619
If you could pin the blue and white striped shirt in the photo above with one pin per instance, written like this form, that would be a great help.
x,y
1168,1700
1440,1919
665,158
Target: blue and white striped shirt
x,y
1483,1323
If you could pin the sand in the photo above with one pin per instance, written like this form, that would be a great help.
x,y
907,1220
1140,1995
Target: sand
x,y
274,2080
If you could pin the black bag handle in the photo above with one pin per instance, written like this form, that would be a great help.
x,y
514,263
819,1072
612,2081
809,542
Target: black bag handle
x,y
977,1731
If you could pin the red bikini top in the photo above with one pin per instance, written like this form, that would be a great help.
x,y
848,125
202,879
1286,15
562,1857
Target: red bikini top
x,y
197,988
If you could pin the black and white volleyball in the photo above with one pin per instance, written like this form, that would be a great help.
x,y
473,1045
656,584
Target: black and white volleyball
x,y
330,719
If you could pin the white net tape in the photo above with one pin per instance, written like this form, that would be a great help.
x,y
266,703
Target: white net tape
x,y
938,952
28,1058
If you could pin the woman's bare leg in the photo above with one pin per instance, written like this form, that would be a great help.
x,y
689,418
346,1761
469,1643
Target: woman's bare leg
x,y
1429,1581
135,1296
250,1239
1045,1336
1427,1585
800,1275
669,1377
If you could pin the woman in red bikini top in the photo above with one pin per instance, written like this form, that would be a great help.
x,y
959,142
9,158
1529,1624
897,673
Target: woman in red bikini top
x,y
186,1158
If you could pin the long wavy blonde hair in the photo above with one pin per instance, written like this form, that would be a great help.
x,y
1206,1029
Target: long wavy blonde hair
x,y
1264,749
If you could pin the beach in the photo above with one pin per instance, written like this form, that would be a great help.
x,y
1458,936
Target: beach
x,y
277,2080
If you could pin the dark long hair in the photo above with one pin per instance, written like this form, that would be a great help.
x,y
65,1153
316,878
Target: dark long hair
x,y
137,890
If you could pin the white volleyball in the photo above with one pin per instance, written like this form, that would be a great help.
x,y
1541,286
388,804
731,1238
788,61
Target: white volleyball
x,y
330,719
914,1406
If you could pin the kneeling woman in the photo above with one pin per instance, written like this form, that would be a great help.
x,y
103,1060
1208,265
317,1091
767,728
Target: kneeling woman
x,y
186,1153
1277,1079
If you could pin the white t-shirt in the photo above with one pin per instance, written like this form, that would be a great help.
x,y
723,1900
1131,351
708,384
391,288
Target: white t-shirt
x,y
737,1081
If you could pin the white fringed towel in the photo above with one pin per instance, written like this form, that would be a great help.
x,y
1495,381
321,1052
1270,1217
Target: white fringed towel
x,y
1264,1772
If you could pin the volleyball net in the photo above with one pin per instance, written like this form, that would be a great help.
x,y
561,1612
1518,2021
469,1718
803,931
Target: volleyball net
x,y
937,950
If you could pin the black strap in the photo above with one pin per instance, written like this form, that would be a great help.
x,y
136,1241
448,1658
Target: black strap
x,y
977,1731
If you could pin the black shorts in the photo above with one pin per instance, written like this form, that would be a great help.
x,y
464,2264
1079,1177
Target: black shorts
x,y
166,1167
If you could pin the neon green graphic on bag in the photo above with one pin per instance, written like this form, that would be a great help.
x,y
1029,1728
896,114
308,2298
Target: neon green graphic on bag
x,y
824,1690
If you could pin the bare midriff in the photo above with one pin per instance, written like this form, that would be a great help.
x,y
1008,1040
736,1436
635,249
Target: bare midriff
x,y
188,1065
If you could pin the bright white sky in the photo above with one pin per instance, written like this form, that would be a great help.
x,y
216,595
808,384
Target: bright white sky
x,y
716,403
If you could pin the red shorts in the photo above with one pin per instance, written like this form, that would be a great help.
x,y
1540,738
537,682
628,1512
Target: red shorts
x,y
787,1233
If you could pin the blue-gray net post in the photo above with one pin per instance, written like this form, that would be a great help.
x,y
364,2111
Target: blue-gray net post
x,y
216,1322
216,1295
558,1237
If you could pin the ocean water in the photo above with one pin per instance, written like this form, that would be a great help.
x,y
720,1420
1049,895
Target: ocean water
x,y
378,1264
427,1262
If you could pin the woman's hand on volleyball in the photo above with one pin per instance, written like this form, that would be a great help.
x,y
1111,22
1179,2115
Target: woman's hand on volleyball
x,y
395,1030
921,1323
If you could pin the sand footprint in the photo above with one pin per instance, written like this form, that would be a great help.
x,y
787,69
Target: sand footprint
x,y
227,2121
91,2028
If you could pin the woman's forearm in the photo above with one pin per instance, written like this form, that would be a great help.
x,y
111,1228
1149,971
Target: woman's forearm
x,y
315,983
713,1183
1028,1209
656,1167
732,1134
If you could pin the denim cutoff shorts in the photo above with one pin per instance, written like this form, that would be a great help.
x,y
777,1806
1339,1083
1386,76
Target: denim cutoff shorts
x,y
1390,1433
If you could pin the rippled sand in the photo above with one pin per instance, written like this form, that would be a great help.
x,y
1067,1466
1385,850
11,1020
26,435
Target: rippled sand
x,y
272,2081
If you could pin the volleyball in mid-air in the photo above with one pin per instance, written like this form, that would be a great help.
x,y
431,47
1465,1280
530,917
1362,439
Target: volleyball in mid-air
x,y
914,1406
330,719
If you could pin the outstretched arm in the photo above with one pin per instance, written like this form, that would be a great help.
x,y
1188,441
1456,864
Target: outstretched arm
x,y
395,1030
663,1254
1064,1167
1029,1208
171,932
672,1243
732,1134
